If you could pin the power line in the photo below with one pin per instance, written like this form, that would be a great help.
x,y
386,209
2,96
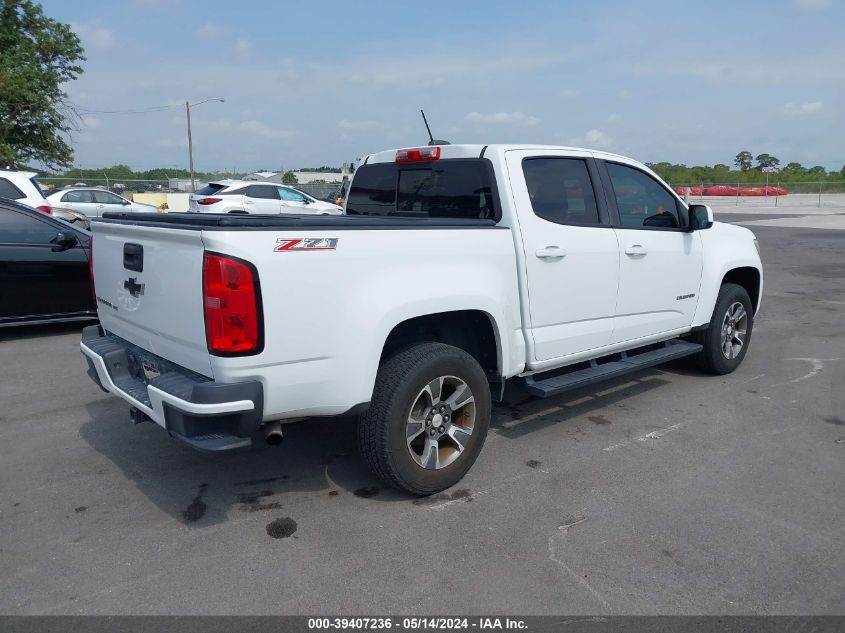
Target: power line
x,y
129,111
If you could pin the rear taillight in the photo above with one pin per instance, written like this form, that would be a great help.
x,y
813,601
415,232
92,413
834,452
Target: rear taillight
x,y
417,154
232,305
45,209
91,269
206,201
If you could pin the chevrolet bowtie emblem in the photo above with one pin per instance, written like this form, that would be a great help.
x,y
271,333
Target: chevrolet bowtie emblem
x,y
135,289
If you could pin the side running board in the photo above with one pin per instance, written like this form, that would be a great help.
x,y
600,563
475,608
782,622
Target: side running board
x,y
598,372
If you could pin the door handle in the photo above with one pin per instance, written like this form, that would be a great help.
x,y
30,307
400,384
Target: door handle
x,y
637,250
247,201
550,252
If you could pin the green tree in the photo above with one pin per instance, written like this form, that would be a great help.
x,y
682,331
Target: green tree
x,y
743,160
37,56
289,178
766,160
795,167
818,170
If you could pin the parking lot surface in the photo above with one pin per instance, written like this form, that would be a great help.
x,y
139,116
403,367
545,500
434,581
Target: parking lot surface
x,y
668,492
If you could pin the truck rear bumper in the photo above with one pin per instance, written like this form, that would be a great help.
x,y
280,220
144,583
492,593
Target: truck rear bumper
x,y
207,415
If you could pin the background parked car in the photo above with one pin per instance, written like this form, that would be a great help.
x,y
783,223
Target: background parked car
x,y
44,271
246,196
93,201
23,187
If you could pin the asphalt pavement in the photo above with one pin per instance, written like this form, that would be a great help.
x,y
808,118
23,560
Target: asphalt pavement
x,y
668,492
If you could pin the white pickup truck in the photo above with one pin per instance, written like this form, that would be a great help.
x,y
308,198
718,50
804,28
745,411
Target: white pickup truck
x,y
456,269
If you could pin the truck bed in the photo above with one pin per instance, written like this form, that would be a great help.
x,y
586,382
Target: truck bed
x,y
230,222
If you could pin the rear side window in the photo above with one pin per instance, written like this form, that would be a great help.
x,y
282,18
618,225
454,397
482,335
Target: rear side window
x,y
443,189
8,190
78,196
641,200
263,191
373,190
561,190
209,189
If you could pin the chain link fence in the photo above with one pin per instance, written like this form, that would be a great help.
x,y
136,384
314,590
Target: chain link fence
x,y
119,186
127,187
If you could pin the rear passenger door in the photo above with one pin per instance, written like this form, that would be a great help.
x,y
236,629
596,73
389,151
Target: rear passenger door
x,y
570,250
81,200
660,262
262,199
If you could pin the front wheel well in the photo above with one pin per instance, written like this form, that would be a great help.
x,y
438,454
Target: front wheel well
x,y
747,277
469,330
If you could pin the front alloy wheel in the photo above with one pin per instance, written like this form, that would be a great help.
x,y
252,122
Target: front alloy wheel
x,y
734,329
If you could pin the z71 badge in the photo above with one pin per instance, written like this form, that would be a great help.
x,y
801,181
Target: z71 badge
x,y
284,244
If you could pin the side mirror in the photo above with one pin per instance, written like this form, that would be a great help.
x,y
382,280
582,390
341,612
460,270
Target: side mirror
x,y
306,201
700,217
126,203
63,241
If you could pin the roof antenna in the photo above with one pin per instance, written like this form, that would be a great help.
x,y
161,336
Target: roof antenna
x,y
431,139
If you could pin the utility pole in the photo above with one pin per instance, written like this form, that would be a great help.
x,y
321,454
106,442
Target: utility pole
x,y
188,106
190,146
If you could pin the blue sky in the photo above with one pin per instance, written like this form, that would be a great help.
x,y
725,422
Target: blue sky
x,y
313,83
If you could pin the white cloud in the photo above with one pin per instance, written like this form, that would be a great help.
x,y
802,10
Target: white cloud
x,y
503,118
259,128
625,94
811,107
242,48
568,93
812,5
346,124
208,30
92,122
614,118
94,36
814,68
594,139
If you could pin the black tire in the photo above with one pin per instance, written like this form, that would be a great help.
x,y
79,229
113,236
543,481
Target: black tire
x,y
712,359
382,429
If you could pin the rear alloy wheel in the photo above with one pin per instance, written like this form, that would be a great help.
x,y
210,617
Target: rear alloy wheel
x,y
441,422
427,420
726,339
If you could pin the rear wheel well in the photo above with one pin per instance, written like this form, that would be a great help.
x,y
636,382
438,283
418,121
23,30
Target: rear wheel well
x,y
469,330
748,278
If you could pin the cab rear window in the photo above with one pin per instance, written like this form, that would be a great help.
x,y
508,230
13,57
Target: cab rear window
x,y
457,188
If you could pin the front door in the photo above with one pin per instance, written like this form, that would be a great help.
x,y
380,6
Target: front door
x,y
106,202
660,262
570,251
82,201
36,280
293,201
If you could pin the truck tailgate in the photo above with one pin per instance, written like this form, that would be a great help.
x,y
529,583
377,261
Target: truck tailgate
x,y
148,281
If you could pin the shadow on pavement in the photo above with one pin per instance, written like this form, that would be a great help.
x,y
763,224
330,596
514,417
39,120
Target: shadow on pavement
x,y
318,456
20,332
